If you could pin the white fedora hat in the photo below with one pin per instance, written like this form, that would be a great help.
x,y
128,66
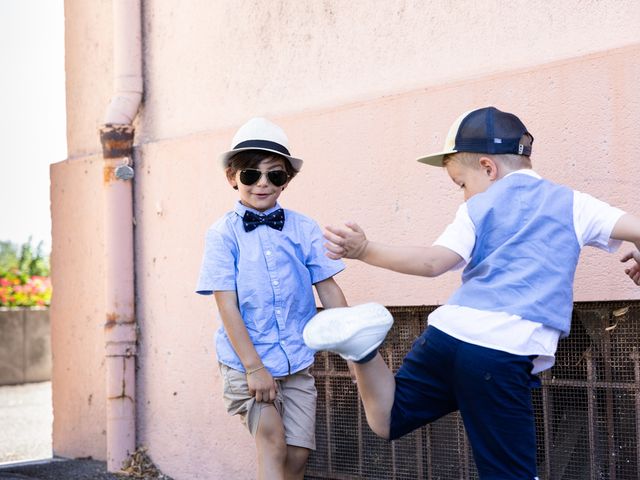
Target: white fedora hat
x,y
260,134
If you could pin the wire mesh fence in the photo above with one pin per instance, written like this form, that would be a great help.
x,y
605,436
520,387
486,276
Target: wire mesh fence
x,y
587,409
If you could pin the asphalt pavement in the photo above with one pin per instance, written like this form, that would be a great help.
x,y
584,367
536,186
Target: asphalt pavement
x,y
26,425
58,469
26,422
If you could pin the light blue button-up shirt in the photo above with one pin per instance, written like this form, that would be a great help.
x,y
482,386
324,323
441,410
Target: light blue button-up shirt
x,y
273,273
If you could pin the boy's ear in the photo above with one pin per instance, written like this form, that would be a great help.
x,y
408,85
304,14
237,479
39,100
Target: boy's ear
x,y
489,166
231,178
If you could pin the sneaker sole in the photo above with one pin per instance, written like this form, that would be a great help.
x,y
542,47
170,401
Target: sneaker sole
x,y
351,332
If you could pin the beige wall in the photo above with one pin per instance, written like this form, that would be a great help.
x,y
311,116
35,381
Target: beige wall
x,y
362,88
283,57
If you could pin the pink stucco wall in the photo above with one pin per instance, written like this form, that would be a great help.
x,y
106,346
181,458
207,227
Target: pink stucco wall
x,y
360,100
77,312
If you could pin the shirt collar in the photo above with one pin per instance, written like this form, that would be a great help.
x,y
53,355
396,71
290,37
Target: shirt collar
x,y
240,209
524,171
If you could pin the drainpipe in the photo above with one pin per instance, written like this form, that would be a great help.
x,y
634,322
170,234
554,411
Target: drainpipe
x,y
116,137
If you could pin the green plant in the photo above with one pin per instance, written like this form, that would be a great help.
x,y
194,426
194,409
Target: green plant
x,y
24,258
24,276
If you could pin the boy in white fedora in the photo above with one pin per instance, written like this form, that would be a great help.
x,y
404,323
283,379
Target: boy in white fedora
x,y
518,237
261,262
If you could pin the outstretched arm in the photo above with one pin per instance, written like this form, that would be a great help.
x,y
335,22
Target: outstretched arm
x,y
350,241
627,228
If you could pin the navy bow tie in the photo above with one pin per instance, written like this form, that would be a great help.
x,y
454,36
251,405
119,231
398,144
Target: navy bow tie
x,y
251,221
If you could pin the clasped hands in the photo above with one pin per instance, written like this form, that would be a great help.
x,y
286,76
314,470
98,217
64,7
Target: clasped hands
x,y
348,241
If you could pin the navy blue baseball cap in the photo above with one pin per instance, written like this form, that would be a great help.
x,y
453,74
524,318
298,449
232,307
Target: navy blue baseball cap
x,y
486,130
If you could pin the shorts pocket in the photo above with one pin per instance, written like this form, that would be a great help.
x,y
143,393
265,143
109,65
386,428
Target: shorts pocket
x,y
235,381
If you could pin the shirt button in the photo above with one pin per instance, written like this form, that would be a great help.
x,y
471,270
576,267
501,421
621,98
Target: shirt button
x,y
278,311
276,282
268,252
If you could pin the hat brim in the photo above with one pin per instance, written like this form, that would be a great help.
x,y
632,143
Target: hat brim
x,y
436,159
296,163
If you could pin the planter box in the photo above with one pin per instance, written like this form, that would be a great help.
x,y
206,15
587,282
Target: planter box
x,y
25,345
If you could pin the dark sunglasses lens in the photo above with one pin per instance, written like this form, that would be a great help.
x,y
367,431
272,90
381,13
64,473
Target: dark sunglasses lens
x,y
278,177
249,177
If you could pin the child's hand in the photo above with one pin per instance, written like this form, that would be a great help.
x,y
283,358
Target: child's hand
x,y
262,386
348,241
634,271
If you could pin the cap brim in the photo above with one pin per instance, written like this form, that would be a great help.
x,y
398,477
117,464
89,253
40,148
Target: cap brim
x,y
436,159
296,163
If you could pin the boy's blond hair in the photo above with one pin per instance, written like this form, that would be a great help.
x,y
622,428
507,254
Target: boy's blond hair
x,y
470,159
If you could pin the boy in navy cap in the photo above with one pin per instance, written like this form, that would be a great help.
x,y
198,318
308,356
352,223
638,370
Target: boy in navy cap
x,y
518,237
262,263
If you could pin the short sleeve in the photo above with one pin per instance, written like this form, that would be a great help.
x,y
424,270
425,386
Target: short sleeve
x,y
320,266
594,220
217,271
459,236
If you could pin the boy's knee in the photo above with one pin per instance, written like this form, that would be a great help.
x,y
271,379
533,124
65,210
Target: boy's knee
x,y
380,428
270,434
273,437
273,446
382,433
296,459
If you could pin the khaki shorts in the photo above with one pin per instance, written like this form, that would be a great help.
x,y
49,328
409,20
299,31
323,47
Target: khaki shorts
x,y
295,402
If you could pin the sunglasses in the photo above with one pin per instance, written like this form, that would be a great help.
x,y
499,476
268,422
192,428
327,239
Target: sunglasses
x,y
250,176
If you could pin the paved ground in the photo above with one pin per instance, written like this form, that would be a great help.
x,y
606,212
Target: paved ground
x,y
26,420
58,469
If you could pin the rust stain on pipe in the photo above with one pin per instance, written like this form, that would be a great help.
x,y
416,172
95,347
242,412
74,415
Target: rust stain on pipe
x,y
121,397
116,140
123,387
108,174
112,319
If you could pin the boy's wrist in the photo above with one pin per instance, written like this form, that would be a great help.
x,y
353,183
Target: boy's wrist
x,y
249,371
363,250
252,362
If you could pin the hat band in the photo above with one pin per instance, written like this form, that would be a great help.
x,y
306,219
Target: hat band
x,y
263,144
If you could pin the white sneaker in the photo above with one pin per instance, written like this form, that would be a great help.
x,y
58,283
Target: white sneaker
x,y
351,332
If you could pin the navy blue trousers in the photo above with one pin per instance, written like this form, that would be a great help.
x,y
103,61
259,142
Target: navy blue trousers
x,y
490,388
